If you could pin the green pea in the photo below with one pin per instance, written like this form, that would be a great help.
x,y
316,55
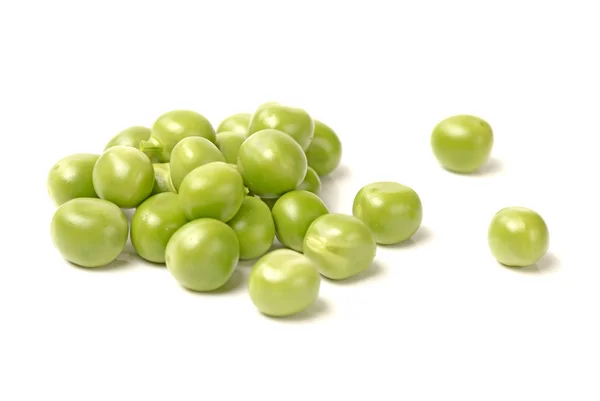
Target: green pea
x,y
392,211
283,283
203,254
214,190
162,179
272,163
237,123
325,151
172,127
123,176
462,143
71,177
293,121
340,245
311,182
254,227
131,137
190,153
293,213
229,143
153,224
518,236
89,232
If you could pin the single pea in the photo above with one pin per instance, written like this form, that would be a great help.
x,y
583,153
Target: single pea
x,y
293,121
71,177
237,123
89,232
254,227
123,176
311,182
131,137
462,143
392,211
229,143
162,179
214,190
190,153
518,236
272,163
293,213
325,151
153,224
283,283
172,127
340,245
203,254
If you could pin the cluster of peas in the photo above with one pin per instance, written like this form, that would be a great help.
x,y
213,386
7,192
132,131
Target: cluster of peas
x,y
205,199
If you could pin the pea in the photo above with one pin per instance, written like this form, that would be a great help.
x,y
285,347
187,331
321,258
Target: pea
x,y
190,153
325,151
311,182
153,224
392,211
89,232
283,283
293,213
123,176
203,254
131,137
229,143
162,179
340,245
237,123
293,121
71,177
518,236
254,227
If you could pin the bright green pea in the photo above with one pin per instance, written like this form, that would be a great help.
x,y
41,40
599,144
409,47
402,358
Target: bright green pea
x,y
214,190
340,245
123,176
131,136
325,151
311,182
162,179
237,123
392,211
229,143
203,254
272,163
293,121
71,177
293,213
283,283
518,236
190,153
462,143
153,224
89,232
254,227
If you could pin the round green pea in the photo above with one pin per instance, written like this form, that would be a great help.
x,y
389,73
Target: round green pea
x,y
71,177
203,254
518,237
237,123
254,227
153,224
340,245
462,143
283,283
311,182
190,153
392,211
131,136
123,176
293,213
162,179
229,143
214,190
325,151
293,121
89,232
272,163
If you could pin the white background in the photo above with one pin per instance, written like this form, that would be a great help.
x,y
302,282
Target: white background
x,y
435,319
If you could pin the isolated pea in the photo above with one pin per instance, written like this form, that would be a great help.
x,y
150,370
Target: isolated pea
x,y
237,123
131,137
190,153
293,121
229,143
311,182
325,151
71,177
162,179
254,227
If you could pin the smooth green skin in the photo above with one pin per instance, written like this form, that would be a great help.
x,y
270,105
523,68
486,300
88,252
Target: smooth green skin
x,y
518,236
131,136
293,121
325,151
462,143
237,123
154,223
203,254
229,143
162,179
283,283
392,211
123,176
272,163
214,190
172,127
293,213
71,177
190,153
311,182
254,227
89,232
340,245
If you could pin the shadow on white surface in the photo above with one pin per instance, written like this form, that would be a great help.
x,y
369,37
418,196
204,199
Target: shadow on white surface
x,y
320,309
492,167
339,173
330,187
548,264
421,237
372,272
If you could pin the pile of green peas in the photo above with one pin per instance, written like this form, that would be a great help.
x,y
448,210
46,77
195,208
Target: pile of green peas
x,y
206,198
